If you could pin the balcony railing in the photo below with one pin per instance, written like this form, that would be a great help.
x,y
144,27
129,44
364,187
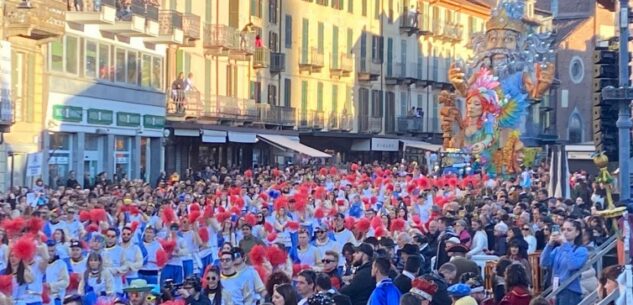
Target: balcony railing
x,y
35,19
311,119
311,60
367,70
170,28
409,124
411,22
6,110
277,62
245,47
438,29
218,39
340,122
93,12
425,24
191,26
369,124
184,104
347,63
453,32
340,65
262,58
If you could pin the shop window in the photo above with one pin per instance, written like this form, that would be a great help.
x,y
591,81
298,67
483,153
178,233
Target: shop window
x,y
120,65
146,71
57,55
157,73
132,75
60,141
90,64
104,62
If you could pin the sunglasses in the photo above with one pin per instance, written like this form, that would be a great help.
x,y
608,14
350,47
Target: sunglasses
x,y
226,260
212,278
526,229
326,261
317,232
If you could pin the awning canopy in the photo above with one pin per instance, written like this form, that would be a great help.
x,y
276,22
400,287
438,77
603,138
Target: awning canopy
x,y
421,145
213,136
242,137
284,142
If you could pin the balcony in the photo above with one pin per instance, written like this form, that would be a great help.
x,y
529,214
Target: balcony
x,y
94,12
368,70
453,32
311,60
425,25
137,19
183,105
229,108
262,58
400,74
6,111
170,25
218,39
410,22
245,47
41,20
191,29
369,124
311,119
409,124
437,30
340,122
276,115
340,65
277,62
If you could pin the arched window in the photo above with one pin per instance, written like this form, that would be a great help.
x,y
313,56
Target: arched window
x,y
575,129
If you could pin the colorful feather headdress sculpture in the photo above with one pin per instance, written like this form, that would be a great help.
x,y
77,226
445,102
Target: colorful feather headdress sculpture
x,y
484,87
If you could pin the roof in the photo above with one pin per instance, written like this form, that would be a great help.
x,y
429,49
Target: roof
x,y
564,27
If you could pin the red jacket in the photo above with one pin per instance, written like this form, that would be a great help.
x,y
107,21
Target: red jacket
x,y
517,296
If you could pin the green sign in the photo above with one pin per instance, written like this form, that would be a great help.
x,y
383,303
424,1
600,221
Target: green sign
x,y
100,116
153,121
128,119
68,113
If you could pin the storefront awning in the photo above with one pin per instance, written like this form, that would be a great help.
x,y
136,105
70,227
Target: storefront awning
x,y
242,137
284,142
213,136
186,132
421,145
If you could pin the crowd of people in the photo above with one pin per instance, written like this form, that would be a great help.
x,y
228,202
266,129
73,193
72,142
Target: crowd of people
x,y
376,234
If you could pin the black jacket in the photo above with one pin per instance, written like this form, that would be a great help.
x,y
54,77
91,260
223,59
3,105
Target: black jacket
x,y
440,297
361,286
339,299
403,283
202,300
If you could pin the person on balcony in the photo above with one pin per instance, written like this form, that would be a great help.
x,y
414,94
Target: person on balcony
x,y
177,92
189,86
413,16
259,43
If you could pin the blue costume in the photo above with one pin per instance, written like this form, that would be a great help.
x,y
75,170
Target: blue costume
x,y
386,293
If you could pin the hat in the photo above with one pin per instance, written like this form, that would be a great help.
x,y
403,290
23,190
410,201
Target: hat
x,y
423,288
457,249
467,300
387,242
75,244
410,249
138,285
51,243
72,298
459,290
365,248
453,240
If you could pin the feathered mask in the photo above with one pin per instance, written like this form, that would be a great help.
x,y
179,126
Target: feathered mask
x,y
484,87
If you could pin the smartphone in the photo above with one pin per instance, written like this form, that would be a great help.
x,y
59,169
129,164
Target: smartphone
x,y
555,229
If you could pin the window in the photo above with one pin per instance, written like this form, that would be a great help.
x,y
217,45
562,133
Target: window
x,y
208,14
57,55
272,94
338,4
132,69
576,70
304,97
19,82
304,41
157,73
404,103
335,53
377,48
146,71
350,6
320,96
334,98
272,11
288,27
256,91
391,13
322,2
207,77
273,39
350,41
90,64
287,92
575,129
320,37
363,8
104,62
72,54
377,9
256,8
376,102
119,57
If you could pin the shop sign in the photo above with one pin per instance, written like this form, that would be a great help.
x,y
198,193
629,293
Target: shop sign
x,y
34,165
58,160
121,160
380,144
100,117
153,121
128,119
68,113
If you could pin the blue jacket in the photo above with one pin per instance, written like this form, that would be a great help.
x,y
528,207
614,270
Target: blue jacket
x,y
386,293
564,260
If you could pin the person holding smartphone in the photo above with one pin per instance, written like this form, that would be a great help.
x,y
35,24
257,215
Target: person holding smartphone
x,y
564,255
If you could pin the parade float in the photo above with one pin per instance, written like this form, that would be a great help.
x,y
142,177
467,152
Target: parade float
x,y
511,70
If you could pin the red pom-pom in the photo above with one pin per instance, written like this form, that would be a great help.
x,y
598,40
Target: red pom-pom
x,y
351,178
194,207
6,284
376,222
73,281
24,248
13,227
333,212
168,216
411,187
134,210
84,216
378,182
175,302
268,227
379,232
271,237
340,201
275,172
235,210
416,219
208,212
292,225
257,255
250,219
168,245
98,215
424,183
263,196
193,216
373,199
93,227
35,225
248,173
333,171
276,256
349,223
320,192
204,234
397,225
336,283
296,268
134,225
262,272
452,181
363,225
354,167
280,202
389,187
323,171
319,213
161,258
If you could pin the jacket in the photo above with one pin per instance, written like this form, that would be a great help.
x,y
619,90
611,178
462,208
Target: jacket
x,y
440,297
202,300
564,260
338,298
464,265
517,296
385,293
361,286
403,283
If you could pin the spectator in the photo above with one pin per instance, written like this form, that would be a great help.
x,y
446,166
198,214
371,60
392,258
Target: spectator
x,y
214,290
306,285
385,293
363,283
411,270
517,283
324,286
285,294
